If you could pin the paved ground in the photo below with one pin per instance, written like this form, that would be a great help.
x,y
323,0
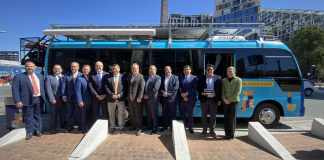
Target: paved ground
x,y
241,148
54,147
129,146
303,146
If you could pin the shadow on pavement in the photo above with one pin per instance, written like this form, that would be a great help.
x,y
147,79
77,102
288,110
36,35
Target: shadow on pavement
x,y
317,96
309,155
3,126
245,139
282,126
167,142
312,136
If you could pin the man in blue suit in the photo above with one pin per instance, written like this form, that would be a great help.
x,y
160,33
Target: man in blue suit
x,y
28,94
188,90
83,97
53,88
69,96
96,85
151,91
169,91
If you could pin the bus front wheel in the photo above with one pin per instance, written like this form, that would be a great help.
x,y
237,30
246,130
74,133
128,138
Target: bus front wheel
x,y
267,114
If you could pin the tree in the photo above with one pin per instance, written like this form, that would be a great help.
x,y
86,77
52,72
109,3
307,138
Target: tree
x,y
308,46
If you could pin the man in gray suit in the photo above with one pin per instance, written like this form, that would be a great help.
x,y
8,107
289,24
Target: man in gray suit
x,y
53,88
151,91
114,87
135,93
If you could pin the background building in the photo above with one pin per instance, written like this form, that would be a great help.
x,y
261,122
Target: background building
x,y
237,11
180,20
9,55
282,23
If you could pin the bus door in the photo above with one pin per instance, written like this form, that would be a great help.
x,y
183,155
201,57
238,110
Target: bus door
x,y
221,59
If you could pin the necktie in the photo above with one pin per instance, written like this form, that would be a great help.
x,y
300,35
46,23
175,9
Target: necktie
x,y
99,80
34,85
116,80
60,83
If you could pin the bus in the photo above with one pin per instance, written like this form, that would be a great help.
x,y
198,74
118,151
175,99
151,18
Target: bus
x,y
272,81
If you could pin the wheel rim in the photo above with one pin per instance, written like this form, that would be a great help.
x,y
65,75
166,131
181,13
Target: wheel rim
x,y
267,116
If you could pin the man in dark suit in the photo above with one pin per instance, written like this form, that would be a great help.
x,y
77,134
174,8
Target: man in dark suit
x,y
135,93
83,97
151,91
115,90
169,91
69,96
188,90
210,96
53,88
99,104
28,93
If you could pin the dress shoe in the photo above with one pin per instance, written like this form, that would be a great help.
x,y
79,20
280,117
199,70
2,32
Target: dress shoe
x,y
212,134
204,132
38,134
29,136
153,132
163,129
139,132
229,137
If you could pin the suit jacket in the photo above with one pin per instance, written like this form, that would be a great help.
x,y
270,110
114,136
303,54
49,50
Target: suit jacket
x,y
22,90
189,85
109,86
217,88
82,90
96,87
135,87
173,87
68,87
53,87
152,87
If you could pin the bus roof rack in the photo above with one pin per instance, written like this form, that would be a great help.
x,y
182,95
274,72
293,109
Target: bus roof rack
x,y
172,31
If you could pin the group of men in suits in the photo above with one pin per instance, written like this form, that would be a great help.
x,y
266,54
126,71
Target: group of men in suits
x,y
77,99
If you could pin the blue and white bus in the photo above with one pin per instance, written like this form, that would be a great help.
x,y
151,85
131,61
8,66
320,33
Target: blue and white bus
x,y
272,81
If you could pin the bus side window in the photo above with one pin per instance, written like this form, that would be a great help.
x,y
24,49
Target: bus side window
x,y
162,57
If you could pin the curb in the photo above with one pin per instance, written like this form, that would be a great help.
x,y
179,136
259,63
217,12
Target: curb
x,y
258,134
180,143
13,136
318,127
89,143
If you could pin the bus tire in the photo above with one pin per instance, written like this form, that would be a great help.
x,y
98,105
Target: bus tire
x,y
308,92
267,114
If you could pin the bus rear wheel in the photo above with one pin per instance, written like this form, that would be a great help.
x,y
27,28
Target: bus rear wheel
x,y
267,114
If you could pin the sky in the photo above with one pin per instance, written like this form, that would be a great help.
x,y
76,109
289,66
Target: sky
x,y
22,18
